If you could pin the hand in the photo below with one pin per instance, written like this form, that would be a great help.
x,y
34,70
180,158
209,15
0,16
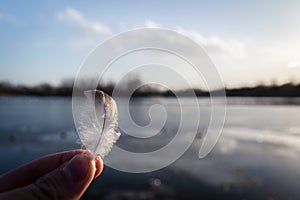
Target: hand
x,y
64,175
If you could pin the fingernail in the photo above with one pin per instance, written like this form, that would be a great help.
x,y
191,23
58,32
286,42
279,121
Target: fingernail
x,y
97,158
99,166
77,168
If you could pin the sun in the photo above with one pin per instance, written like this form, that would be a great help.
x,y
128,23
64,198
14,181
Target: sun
x,y
293,64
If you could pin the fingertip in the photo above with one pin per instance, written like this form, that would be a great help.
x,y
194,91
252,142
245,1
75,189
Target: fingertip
x,y
98,165
97,162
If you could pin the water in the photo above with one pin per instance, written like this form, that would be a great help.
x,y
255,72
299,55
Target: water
x,y
257,156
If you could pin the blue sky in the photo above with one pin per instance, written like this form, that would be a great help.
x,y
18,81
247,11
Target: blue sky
x,y
249,41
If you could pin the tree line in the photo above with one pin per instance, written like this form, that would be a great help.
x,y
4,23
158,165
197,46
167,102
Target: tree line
x,y
66,88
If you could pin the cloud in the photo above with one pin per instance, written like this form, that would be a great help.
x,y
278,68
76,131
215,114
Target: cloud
x,y
217,46
79,22
214,45
9,19
151,24
148,23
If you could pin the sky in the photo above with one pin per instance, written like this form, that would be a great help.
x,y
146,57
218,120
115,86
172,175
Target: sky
x,y
250,42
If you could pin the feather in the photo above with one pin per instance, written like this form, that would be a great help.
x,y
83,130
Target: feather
x,y
98,123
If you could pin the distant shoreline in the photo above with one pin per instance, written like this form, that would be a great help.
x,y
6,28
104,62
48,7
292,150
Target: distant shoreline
x,y
286,90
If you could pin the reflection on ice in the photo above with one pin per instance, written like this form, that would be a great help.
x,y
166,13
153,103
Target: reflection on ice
x,y
282,139
242,156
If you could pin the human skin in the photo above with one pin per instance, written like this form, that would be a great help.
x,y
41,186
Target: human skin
x,y
64,175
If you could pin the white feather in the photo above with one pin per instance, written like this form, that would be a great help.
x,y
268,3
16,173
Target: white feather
x,y
98,122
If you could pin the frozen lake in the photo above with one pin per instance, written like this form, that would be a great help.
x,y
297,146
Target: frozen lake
x,y
257,156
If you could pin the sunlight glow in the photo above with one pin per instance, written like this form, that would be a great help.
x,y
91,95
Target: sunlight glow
x,y
293,64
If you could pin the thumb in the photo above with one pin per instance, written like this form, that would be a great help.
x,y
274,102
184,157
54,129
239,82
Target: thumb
x,y
67,182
